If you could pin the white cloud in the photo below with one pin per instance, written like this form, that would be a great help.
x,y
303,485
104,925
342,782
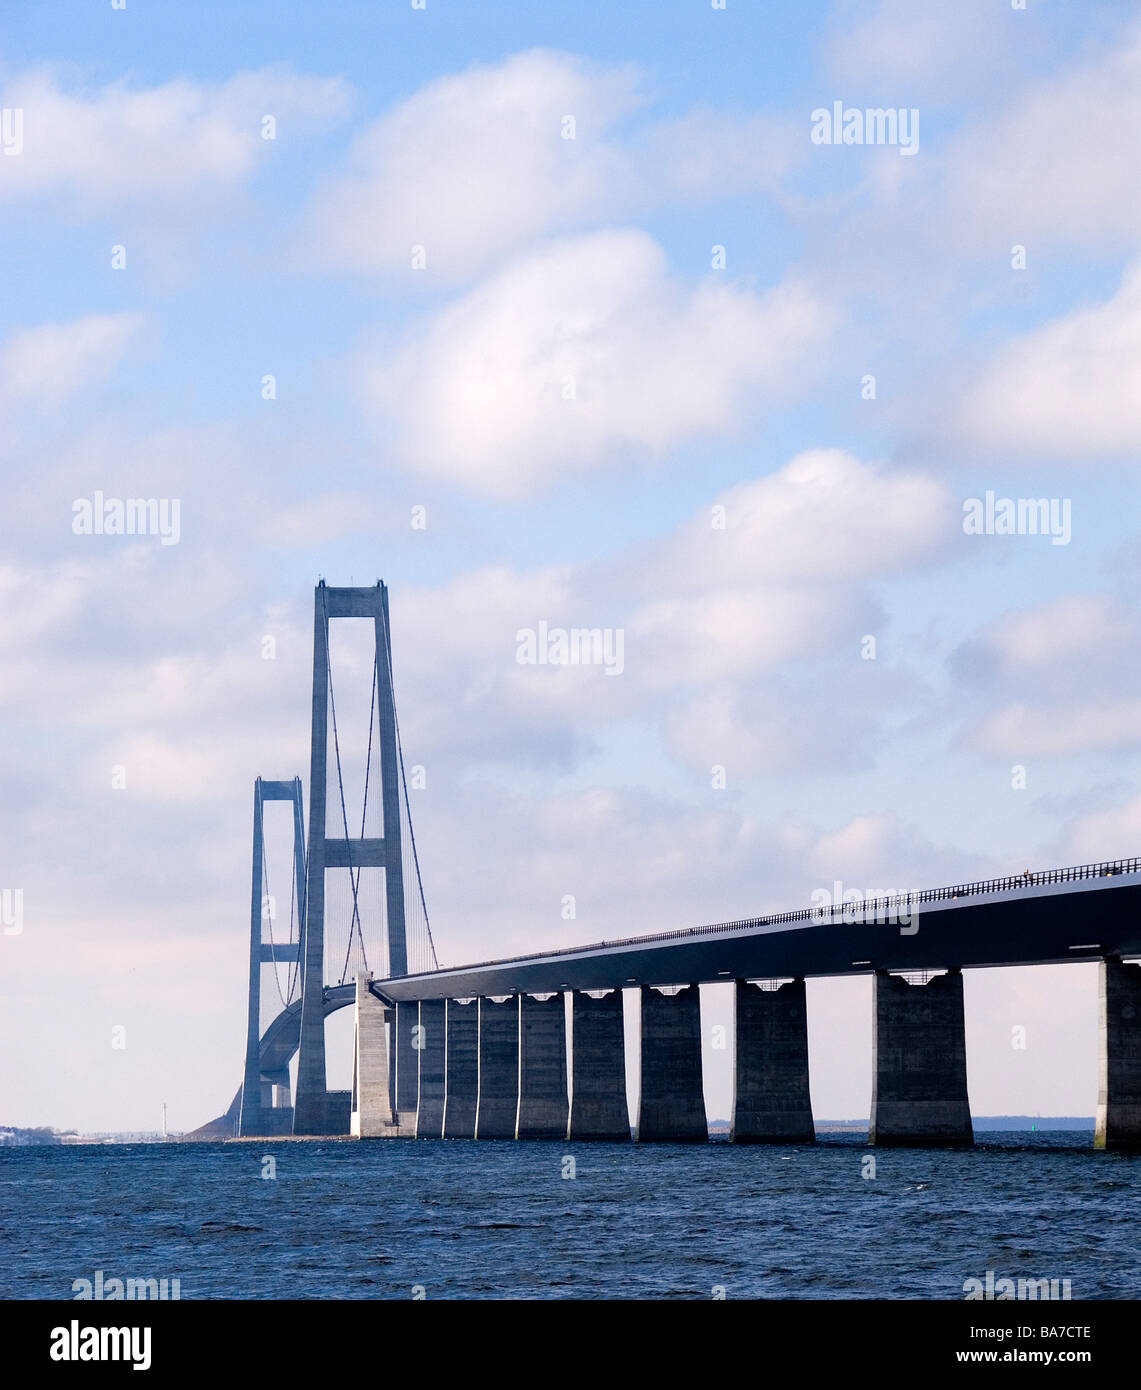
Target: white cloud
x,y
686,640
1022,730
881,851
723,619
480,397
1111,833
1061,166
183,139
826,515
1027,143
708,154
475,165
162,770
767,726
42,366
1067,389
34,602
1060,678
733,628
925,49
1069,627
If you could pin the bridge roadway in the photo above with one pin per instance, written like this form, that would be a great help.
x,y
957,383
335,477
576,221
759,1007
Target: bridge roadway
x,y
471,1052
1055,917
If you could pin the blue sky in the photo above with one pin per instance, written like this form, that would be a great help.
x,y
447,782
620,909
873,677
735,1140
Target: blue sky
x,y
548,260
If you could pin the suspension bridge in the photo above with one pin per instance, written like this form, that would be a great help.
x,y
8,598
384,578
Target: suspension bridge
x,y
534,1047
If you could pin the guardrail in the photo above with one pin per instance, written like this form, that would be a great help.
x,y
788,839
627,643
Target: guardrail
x,y
1106,869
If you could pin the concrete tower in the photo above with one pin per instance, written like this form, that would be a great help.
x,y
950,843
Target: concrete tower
x,y
311,1111
257,1091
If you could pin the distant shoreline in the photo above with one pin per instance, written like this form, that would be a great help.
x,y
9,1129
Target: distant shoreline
x,y
12,1137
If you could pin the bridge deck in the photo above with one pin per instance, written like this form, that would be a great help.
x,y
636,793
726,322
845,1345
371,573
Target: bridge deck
x,y
1055,917
1048,918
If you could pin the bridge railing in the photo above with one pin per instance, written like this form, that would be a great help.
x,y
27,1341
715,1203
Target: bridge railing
x,y
868,907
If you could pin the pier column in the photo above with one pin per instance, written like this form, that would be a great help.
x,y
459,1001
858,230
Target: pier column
x,y
543,1104
461,1068
370,1109
280,1092
278,1118
407,1061
430,1110
1119,1071
598,1108
672,1105
919,1090
497,1102
771,1102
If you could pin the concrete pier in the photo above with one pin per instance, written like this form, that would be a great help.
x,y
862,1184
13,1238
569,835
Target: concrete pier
x,y
497,1102
407,1088
543,1103
461,1068
338,1112
598,1108
430,1110
1119,1070
279,1088
277,1108
371,1111
919,1090
771,1101
672,1105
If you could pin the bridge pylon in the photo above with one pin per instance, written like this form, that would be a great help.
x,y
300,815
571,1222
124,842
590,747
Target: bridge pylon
x,y
314,1109
257,1096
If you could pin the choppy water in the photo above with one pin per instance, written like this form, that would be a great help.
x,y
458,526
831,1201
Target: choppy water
x,y
499,1220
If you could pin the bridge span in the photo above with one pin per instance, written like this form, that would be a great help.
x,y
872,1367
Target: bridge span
x,y
480,1051
477,1051
1049,918
533,1047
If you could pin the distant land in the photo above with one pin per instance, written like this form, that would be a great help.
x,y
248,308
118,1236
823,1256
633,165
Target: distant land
x,y
992,1122
14,1137
982,1124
